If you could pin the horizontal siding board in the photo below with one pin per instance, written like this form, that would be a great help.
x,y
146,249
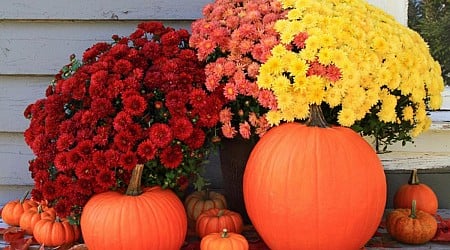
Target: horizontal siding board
x,y
398,8
14,155
42,48
102,9
16,93
401,160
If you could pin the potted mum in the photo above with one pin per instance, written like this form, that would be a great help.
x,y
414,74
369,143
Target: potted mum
x,y
379,83
340,64
234,38
137,100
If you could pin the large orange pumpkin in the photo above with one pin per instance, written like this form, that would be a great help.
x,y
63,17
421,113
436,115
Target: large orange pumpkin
x,y
153,218
215,220
310,187
414,190
13,210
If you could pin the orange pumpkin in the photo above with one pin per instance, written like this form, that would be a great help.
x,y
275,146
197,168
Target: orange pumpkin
x,y
414,190
55,232
215,220
13,210
200,201
224,241
411,226
30,217
140,219
309,179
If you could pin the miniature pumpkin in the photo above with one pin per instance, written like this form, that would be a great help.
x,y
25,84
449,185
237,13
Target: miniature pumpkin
x,y
309,179
200,201
224,241
13,210
140,219
411,226
414,190
214,220
30,217
55,232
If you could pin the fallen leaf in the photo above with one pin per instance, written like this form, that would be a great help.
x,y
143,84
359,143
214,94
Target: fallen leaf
x,y
79,247
443,231
13,233
20,244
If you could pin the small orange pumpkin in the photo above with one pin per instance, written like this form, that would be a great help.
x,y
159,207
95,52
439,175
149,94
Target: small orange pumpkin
x,y
13,210
200,201
414,190
56,232
30,217
411,226
224,241
215,220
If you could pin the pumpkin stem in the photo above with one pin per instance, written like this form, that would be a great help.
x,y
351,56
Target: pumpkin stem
x,y
40,209
206,197
220,213
316,118
414,178
224,233
24,197
134,188
413,210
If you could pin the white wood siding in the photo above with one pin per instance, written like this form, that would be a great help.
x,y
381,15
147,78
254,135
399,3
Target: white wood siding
x,y
37,37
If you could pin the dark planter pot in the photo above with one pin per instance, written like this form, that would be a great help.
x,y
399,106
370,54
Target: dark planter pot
x,y
233,159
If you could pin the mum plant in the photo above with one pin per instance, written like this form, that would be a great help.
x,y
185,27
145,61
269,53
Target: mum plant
x,y
137,100
361,67
234,38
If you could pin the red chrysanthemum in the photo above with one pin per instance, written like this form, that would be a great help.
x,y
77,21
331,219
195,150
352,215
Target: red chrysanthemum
x,y
134,105
146,150
160,134
172,156
197,139
181,127
138,100
128,160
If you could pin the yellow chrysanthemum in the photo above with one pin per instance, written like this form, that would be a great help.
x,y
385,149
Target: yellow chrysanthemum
x,y
281,84
315,90
333,97
408,114
308,54
346,117
279,51
296,66
273,66
355,56
273,117
325,56
435,101
264,79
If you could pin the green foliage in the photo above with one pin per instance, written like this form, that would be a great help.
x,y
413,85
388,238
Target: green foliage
x,y
431,19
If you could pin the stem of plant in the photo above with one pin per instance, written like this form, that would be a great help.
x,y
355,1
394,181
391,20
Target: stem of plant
x,y
316,118
134,188
414,178
22,200
224,233
413,210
